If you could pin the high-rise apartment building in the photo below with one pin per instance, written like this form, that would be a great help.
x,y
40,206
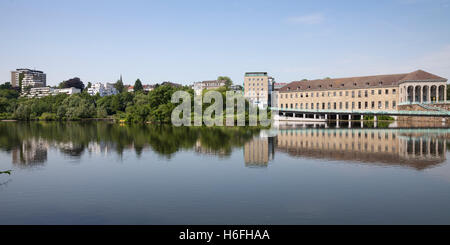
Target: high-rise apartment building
x,y
28,78
258,87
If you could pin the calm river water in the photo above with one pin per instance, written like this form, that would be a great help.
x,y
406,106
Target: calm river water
x,y
103,173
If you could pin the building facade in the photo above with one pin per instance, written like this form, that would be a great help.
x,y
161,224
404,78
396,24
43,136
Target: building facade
x,y
211,84
258,87
278,86
148,88
237,88
102,89
375,93
46,91
28,78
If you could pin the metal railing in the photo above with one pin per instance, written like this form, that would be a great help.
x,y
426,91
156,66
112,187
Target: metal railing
x,y
365,112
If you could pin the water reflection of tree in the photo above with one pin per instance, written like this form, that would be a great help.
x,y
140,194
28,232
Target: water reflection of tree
x,y
73,138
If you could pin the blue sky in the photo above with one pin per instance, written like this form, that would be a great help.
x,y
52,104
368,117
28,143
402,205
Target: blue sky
x,y
187,41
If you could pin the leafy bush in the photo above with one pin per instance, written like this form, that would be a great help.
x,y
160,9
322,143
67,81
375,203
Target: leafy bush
x,y
48,116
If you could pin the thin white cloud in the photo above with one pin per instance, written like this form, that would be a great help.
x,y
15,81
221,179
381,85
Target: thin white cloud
x,y
309,19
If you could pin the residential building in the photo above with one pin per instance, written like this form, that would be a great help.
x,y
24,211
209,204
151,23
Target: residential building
x,y
29,78
171,84
236,88
258,87
148,88
102,89
211,84
46,91
39,92
375,93
68,91
129,88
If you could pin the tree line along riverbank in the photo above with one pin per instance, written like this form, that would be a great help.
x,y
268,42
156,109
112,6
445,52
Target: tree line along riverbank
x,y
132,107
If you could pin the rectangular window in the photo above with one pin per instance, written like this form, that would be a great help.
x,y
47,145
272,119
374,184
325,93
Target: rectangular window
x,y
353,105
372,92
359,93
393,104
334,105
296,105
366,93
353,94
359,105
323,106
379,104
366,105
379,91
386,91
373,104
394,91
301,105
334,94
340,93
292,106
312,105
340,105
346,93
346,105
386,105
306,106
329,105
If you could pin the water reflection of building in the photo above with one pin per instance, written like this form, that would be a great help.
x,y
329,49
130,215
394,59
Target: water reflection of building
x,y
205,149
259,151
392,147
32,152
70,148
98,148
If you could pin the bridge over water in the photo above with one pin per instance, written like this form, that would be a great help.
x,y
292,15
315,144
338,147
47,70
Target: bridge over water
x,y
325,112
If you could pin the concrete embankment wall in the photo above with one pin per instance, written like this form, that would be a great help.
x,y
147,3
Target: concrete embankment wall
x,y
423,121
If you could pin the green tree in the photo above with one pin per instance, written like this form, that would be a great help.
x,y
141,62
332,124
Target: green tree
x,y
21,76
119,86
6,85
227,80
76,107
73,82
448,91
138,85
